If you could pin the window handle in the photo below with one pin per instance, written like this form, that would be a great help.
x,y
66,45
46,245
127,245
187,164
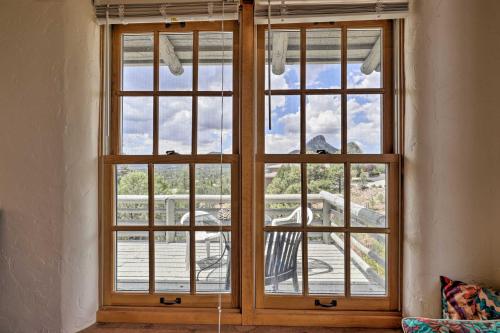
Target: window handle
x,y
321,151
332,304
175,301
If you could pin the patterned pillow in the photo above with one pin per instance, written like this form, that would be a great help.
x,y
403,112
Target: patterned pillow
x,y
426,325
463,301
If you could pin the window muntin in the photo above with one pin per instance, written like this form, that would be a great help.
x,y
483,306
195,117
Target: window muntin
x,y
345,218
163,194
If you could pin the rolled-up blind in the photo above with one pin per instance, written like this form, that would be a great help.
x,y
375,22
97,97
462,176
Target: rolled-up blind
x,y
147,11
290,11
150,11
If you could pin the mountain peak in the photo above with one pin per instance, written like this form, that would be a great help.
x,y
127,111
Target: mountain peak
x,y
319,143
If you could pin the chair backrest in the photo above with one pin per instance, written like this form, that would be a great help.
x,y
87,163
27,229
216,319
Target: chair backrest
x,y
281,256
201,217
295,216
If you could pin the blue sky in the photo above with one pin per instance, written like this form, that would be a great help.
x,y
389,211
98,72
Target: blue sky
x,y
322,112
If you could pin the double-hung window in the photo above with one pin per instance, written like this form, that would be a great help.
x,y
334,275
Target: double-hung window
x,y
327,223
171,178
324,221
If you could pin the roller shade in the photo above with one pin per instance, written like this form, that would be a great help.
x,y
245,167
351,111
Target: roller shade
x,y
291,11
154,11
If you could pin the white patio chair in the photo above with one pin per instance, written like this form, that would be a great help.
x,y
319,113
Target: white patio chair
x,y
207,237
294,217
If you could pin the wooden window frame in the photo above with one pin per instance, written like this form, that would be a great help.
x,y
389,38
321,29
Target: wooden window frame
x,y
245,306
346,302
151,298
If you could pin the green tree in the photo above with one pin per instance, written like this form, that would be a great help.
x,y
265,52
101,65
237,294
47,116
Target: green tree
x,y
133,182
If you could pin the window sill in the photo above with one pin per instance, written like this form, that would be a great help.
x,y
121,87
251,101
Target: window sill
x,y
157,315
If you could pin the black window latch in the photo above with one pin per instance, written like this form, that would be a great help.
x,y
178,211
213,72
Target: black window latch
x,y
175,301
171,152
321,151
332,304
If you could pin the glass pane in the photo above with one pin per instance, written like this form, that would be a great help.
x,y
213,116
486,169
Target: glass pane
x,y
214,48
210,113
176,61
172,261
137,125
368,192
213,262
323,124
209,210
175,117
283,262
171,194
284,136
368,264
364,58
323,58
137,71
131,194
325,197
285,59
326,262
132,261
282,194
364,124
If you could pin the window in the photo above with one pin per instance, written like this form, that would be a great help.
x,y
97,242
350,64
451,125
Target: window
x,y
327,227
164,173
323,177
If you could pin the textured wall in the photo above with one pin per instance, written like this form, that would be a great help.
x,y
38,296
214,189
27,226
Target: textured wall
x,y
48,169
452,183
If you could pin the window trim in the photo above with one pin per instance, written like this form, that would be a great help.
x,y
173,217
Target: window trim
x,y
245,312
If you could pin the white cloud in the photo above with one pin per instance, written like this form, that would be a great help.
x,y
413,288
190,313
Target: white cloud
x,y
323,118
364,123
315,76
284,81
356,79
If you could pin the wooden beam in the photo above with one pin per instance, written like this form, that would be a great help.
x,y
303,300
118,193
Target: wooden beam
x,y
372,61
167,54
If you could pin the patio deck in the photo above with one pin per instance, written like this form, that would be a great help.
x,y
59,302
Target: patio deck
x,y
326,270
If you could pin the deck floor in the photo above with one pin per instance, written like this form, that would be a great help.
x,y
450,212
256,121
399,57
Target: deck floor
x,y
326,270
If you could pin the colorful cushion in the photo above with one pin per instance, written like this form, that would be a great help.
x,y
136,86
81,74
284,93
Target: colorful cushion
x,y
461,301
426,325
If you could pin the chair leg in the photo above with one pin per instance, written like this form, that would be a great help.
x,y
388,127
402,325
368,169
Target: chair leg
x,y
295,281
207,247
188,250
228,271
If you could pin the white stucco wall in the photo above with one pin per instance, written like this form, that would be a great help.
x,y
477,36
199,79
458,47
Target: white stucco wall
x,y
49,85
452,179
48,148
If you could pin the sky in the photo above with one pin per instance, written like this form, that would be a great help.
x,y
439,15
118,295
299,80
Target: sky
x,y
322,111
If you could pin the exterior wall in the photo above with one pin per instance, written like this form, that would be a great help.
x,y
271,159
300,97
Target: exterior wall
x,y
48,167
452,188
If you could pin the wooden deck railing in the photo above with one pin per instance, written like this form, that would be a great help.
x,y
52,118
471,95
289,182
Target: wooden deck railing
x,y
327,208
